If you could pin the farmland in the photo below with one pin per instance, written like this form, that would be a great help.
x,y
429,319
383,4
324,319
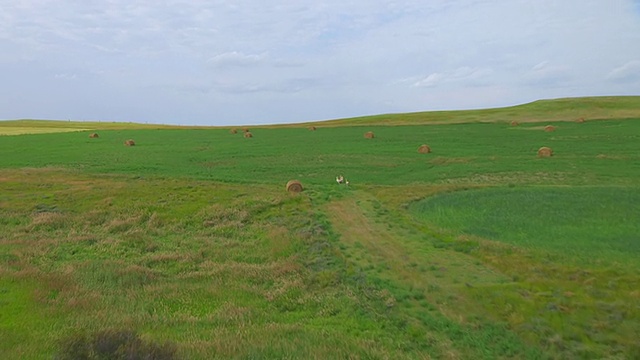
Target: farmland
x,y
479,249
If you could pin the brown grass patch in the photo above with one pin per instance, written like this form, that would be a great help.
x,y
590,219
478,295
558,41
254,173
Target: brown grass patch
x,y
369,135
231,314
123,224
549,128
248,135
130,143
516,177
612,157
94,136
294,186
424,149
47,219
545,152
247,271
441,160
515,123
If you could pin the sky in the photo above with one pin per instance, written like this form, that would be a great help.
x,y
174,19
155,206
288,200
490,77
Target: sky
x,y
214,62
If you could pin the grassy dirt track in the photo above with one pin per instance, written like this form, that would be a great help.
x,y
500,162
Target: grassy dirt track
x,y
479,250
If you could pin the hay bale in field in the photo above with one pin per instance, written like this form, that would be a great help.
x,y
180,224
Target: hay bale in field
x,y
424,149
294,186
549,128
545,152
580,120
245,129
248,135
369,135
93,136
312,128
515,123
130,143
233,131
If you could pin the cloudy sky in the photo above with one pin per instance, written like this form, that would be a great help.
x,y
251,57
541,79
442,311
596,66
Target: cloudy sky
x,y
214,62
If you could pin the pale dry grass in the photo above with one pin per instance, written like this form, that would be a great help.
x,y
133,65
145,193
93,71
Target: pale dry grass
x,y
612,157
279,239
546,178
441,160
48,219
231,314
254,272
9,130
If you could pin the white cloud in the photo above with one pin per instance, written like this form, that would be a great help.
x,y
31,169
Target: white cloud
x,y
235,58
628,72
65,76
431,80
469,75
547,74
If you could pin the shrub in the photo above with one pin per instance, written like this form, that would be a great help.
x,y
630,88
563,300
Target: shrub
x,y
114,344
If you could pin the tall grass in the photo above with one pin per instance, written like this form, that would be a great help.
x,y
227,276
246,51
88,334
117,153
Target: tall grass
x,y
221,270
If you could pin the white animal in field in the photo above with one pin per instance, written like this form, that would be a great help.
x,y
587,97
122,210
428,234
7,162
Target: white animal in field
x,y
340,179
346,182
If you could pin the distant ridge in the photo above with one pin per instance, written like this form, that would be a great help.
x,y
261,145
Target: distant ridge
x,y
563,109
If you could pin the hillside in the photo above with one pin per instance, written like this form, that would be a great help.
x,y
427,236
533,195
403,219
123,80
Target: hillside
x,y
187,245
568,109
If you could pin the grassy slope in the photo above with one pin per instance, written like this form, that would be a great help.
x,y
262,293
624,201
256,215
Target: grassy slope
x,y
568,109
95,235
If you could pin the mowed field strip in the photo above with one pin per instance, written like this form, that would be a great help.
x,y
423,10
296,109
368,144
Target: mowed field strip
x,y
186,244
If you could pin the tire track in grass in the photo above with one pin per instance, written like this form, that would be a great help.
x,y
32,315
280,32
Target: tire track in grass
x,y
399,255
429,284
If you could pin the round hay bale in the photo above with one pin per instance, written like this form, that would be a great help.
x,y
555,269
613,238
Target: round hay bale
x,y
294,186
312,128
369,135
248,135
545,152
130,143
233,131
515,123
245,129
580,120
424,149
94,136
549,128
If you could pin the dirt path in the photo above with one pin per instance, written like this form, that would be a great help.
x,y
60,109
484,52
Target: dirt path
x,y
389,248
402,253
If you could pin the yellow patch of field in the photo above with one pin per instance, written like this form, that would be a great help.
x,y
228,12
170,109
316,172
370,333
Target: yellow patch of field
x,y
11,130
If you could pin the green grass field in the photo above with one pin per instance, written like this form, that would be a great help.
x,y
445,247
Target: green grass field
x,y
478,250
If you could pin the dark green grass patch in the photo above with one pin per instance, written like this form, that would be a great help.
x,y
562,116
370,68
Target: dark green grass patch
x,y
585,223
571,252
